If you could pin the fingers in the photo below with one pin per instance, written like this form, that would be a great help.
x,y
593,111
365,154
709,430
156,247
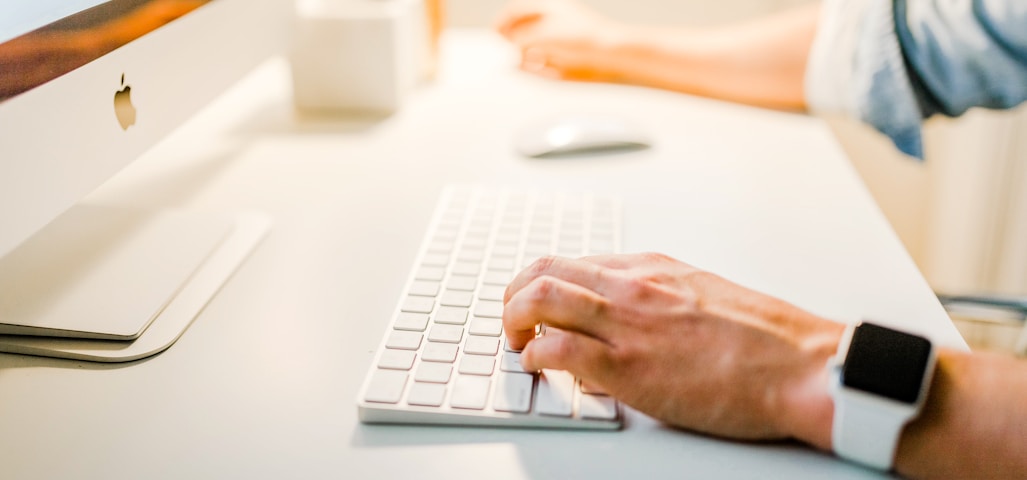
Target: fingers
x,y
534,60
554,302
617,261
594,272
571,62
509,24
517,14
547,61
581,355
586,274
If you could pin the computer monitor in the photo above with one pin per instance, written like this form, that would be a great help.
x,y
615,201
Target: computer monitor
x,y
86,87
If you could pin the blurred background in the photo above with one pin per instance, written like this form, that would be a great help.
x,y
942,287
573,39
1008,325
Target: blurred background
x,y
962,214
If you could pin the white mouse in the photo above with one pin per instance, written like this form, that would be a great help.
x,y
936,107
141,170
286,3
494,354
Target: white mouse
x,y
579,134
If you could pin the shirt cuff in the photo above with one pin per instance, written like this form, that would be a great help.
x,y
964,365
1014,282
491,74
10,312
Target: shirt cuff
x,y
856,68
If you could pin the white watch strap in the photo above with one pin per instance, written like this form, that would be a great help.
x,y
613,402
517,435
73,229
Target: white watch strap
x,y
866,430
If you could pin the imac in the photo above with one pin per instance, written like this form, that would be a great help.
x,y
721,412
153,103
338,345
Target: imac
x,y
87,86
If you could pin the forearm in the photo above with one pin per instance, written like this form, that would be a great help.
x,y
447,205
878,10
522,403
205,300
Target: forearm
x,y
974,422
760,62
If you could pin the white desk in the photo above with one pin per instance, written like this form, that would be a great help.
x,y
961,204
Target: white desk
x,y
263,384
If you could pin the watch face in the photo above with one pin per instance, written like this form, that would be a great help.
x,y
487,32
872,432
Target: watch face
x,y
886,362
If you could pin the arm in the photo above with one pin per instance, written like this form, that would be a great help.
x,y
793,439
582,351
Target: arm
x,y
759,62
892,63
974,423
701,353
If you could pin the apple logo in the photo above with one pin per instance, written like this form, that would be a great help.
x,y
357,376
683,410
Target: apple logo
x,y
123,108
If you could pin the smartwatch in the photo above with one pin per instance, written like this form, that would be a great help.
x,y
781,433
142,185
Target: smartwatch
x,y
879,381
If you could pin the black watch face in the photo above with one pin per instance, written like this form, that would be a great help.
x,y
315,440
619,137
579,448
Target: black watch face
x,y
886,362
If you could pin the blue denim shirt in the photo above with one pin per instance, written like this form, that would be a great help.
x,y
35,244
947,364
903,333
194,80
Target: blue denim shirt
x,y
893,63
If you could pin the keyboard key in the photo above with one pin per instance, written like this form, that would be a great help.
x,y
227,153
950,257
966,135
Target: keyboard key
x,y
538,240
507,239
571,237
397,359
490,327
449,229
457,298
430,273
555,393
433,372
502,265
476,239
441,246
492,292
513,392
540,246
470,392
497,277
466,268
426,394
446,333
473,255
598,407
435,260
487,308
451,315
386,386
458,282
424,288
481,345
415,322
477,365
504,252
512,363
414,304
404,340
439,352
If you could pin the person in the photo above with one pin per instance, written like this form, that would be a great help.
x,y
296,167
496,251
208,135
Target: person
x,y
945,58
701,353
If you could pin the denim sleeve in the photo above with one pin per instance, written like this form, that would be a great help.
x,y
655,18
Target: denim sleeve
x,y
892,63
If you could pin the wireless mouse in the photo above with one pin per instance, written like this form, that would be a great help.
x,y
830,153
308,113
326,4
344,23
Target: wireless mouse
x,y
575,135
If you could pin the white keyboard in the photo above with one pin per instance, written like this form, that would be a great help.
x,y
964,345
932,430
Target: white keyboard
x,y
444,358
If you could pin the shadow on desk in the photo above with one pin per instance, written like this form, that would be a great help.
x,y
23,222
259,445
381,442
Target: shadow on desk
x,y
11,361
646,449
282,117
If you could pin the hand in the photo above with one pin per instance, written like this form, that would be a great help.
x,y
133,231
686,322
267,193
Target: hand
x,y
677,343
562,39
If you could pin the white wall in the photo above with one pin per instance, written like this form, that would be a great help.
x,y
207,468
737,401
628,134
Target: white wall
x,y
962,214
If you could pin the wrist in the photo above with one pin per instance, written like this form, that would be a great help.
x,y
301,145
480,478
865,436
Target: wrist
x,y
807,403
617,48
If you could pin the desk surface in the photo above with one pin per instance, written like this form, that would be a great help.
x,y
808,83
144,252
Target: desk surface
x,y
263,383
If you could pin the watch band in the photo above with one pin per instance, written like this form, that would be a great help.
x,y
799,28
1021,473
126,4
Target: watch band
x,y
864,432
